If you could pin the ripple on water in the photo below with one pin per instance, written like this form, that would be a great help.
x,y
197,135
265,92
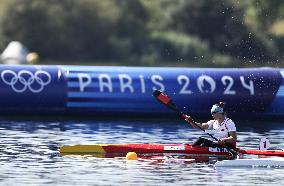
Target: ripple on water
x,y
29,155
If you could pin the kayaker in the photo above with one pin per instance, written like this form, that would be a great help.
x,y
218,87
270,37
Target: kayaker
x,y
224,129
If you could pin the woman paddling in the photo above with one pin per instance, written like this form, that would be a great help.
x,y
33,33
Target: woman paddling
x,y
223,128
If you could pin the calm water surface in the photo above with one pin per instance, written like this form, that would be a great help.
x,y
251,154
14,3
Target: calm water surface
x,y
29,154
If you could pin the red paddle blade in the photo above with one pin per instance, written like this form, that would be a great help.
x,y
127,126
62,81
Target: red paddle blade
x,y
160,96
163,98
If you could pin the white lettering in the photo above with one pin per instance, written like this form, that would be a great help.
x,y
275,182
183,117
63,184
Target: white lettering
x,y
125,83
230,83
105,82
211,149
155,79
205,84
83,83
180,147
142,81
184,80
249,86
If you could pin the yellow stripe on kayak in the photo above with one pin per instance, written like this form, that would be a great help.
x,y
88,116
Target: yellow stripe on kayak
x,y
83,148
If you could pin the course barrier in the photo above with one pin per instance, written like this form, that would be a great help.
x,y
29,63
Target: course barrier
x,y
127,91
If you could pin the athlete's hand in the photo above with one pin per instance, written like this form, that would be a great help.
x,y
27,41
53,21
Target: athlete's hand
x,y
188,119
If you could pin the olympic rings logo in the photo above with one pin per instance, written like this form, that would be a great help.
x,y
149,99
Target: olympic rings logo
x,y
24,80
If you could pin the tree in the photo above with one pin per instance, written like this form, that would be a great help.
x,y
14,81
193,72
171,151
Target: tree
x,y
222,24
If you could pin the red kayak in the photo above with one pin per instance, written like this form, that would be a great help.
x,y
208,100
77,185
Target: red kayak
x,y
186,149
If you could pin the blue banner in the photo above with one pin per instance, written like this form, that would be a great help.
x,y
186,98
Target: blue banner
x,y
93,90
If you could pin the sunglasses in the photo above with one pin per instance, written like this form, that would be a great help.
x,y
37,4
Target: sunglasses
x,y
213,113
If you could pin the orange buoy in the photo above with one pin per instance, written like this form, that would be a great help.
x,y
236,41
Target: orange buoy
x,y
131,156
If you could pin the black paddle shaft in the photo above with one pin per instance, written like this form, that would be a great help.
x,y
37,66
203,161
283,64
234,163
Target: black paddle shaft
x,y
164,99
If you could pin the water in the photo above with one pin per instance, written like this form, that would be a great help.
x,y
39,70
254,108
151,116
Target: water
x,y
29,154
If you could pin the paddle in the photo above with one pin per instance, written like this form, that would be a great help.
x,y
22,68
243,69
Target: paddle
x,y
164,99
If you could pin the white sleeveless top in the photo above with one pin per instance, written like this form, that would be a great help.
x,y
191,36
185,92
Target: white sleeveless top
x,y
222,130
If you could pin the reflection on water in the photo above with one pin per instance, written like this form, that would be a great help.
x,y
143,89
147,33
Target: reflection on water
x,y
29,154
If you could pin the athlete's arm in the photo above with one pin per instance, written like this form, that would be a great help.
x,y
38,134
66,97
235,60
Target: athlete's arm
x,y
195,124
231,139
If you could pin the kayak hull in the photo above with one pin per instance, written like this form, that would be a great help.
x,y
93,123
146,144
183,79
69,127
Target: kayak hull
x,y
187,149
142,149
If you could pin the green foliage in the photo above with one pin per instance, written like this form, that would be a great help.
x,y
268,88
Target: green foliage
x,y
170,46
268,11
61,29
222,24
144,32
